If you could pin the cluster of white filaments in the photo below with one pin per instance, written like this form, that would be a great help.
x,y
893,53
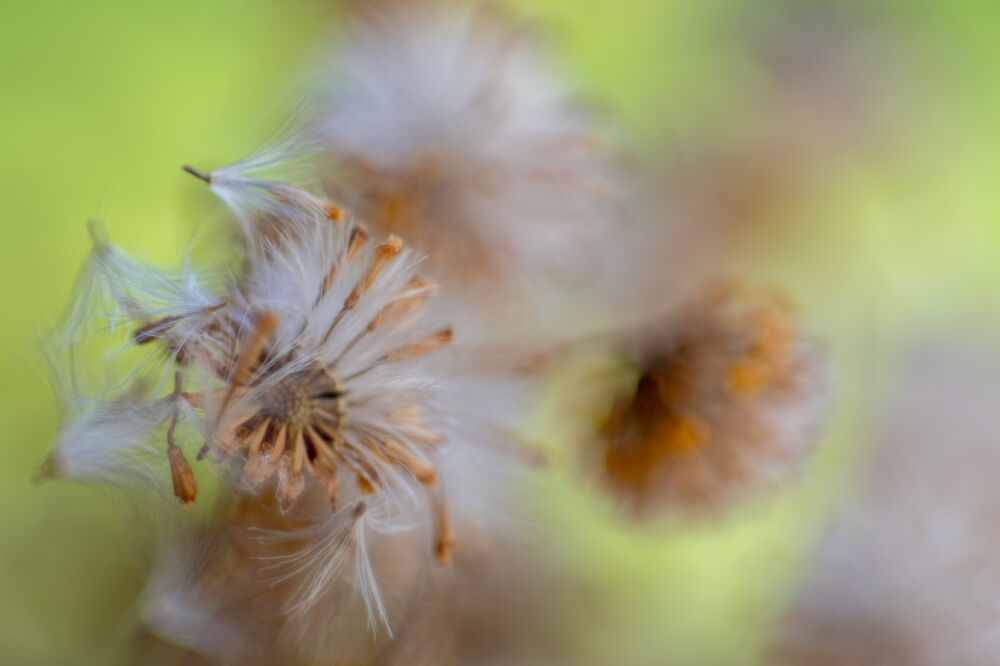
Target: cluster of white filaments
x,y
299,349
446,125
317,361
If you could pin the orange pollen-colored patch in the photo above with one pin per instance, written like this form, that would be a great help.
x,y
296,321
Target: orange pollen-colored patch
x,y
679,434
643,433
772,346
748,376
395,208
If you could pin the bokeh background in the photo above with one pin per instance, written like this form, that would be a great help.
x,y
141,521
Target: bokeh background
x,y
854,142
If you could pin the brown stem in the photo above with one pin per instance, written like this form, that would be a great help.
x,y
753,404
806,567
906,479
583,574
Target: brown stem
x,y
197,173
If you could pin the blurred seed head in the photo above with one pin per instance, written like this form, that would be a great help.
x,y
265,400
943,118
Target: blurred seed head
x,y
907,573
726,402
446,125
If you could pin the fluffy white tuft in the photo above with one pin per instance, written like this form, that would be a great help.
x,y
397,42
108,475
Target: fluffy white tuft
x,y
447,126
908,574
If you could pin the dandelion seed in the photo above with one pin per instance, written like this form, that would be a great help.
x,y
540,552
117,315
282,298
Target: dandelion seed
x,y
108,442
256,191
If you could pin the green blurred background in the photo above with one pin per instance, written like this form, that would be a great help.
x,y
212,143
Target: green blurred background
x,y
888,234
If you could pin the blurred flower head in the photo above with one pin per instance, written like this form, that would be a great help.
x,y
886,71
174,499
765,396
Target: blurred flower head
x,y
446,124
726,402
907,573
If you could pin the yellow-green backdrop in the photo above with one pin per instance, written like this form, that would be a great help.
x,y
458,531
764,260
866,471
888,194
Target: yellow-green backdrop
x,y
102,101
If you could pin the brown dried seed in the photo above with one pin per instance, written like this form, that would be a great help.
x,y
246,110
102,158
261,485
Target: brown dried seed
x,y
427,344
185,485
446,535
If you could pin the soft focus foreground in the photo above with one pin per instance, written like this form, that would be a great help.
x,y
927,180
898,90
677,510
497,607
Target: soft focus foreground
x,y
839,150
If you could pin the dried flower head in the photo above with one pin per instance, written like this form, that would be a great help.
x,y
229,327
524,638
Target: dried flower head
x,y
301,371
316,375
447,127
726,401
